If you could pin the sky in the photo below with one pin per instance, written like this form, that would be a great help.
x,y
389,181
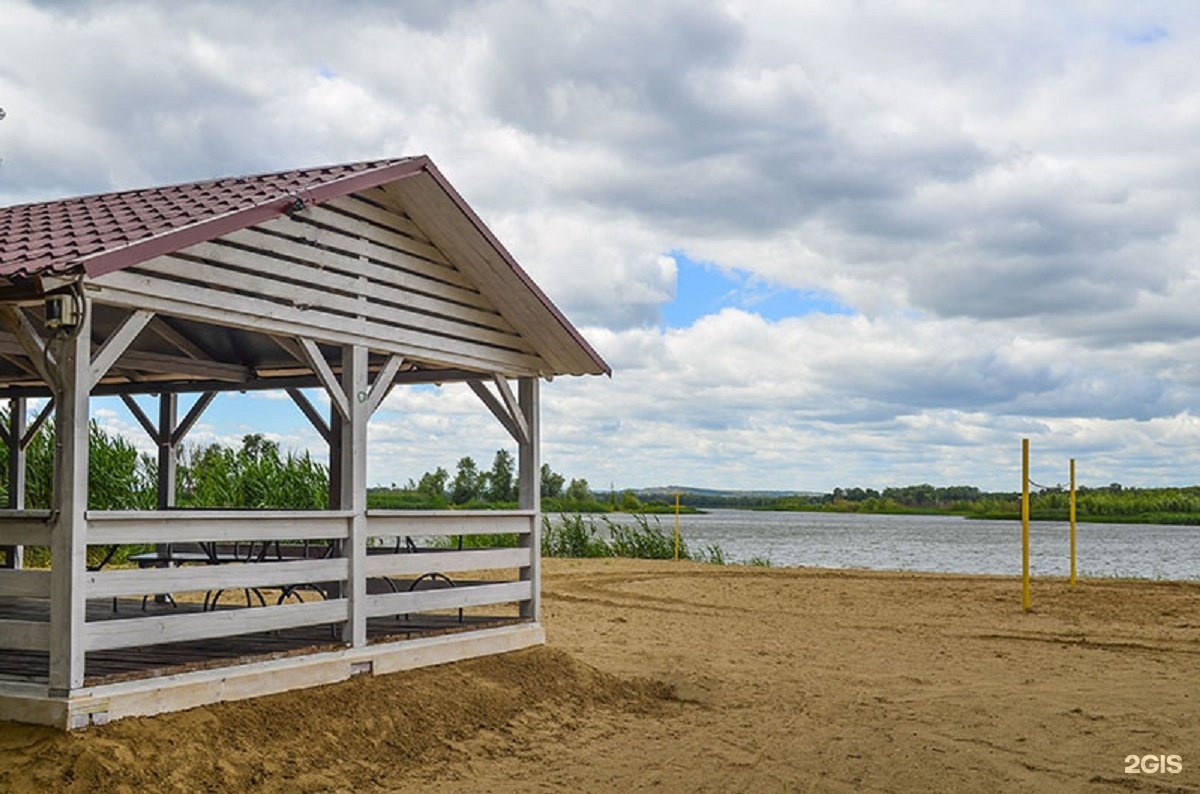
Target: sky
x,y
821,244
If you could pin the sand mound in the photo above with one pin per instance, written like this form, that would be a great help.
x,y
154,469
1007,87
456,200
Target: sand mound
x,y
364,734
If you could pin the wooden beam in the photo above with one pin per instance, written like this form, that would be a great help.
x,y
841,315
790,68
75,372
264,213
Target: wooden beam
x,y
181,365
316,360
31,342
160,326
141,417
256,383
383,383
192,416
314,416
496,407
18,362
514,408
37,423
117,343
290,347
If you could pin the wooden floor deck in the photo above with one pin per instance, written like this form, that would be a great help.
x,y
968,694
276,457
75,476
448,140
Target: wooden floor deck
x,y
103,667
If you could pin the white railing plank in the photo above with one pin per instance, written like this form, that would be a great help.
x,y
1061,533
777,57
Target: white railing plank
x,y
447,598
24,635
107,634
179,526
415,564
108,584
24,583
24,528
439,523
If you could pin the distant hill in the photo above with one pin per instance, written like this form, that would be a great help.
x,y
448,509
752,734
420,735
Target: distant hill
x,y
669,491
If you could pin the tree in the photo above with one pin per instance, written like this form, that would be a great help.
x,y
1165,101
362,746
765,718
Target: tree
x,y
466,482
433,484
552,482
578,491
500,480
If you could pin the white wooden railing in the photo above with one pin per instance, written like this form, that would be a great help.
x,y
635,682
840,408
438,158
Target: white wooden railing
x,y
24,528
384,529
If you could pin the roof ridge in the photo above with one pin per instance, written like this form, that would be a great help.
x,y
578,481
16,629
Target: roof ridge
x,y
364,165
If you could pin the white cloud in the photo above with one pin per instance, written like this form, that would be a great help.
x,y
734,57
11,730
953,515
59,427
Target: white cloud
x,y
1006,194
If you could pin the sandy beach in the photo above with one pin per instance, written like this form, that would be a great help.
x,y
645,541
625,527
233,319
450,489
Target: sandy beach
x,y
691,677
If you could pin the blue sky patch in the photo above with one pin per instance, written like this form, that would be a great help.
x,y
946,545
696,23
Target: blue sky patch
x,y
1147,35
703,288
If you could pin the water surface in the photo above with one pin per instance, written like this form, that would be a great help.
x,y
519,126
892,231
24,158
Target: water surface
x,y
941,543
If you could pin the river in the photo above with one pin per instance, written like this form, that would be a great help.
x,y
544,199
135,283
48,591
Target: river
x,y
941,543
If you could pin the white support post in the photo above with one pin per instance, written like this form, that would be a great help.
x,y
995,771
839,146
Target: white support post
x,y
16,471
353,471
68,533
529,482
167,411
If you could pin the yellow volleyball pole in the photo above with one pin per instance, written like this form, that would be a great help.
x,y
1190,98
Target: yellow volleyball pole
x,y
1026,601
1072,516
676,527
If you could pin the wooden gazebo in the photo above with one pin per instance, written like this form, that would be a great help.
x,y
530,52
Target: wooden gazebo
x,y
351,278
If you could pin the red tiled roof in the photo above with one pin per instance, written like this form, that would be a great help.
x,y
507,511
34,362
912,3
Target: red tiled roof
x,y
109,231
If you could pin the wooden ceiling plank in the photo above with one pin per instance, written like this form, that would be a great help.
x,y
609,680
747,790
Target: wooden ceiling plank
x,y
135,289
163,328
147,290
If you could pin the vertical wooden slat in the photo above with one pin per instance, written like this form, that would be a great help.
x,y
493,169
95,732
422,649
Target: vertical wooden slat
x,y
354,488
529,481
68,537
16,471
